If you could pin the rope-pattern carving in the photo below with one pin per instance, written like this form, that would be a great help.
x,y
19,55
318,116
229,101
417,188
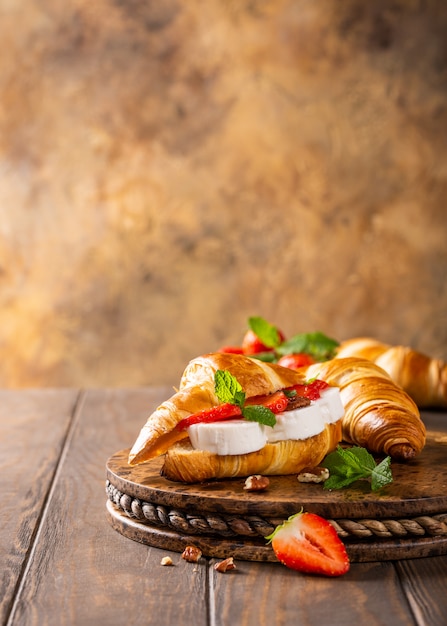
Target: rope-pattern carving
x,y
254,526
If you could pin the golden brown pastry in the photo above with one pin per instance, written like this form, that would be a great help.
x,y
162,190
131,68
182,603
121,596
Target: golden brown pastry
x,y
197,392
185,464
379,415
423,378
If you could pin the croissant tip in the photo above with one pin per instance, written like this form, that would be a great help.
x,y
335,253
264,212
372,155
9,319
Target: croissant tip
x,y
402,452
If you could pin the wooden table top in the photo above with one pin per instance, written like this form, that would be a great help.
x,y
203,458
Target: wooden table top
x,y
63,563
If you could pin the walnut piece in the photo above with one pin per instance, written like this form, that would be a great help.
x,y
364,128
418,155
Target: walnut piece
x,y
225,565
192,554
256,483
166,560
313,475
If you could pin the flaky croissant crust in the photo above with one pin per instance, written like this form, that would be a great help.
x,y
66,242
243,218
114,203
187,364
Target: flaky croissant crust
x,y
422,377
379,415
196,392
184,464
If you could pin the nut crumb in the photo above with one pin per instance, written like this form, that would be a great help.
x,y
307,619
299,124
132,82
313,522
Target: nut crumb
x,y
192,554
256,482
225,565
166,560
313,475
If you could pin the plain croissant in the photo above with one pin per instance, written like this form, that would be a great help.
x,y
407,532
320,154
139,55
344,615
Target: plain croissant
x,y
379,415
423,378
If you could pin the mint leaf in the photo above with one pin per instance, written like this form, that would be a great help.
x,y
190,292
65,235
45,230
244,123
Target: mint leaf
x,y
258,413
266,332
316,344
381,475
228,388
358,459
351,464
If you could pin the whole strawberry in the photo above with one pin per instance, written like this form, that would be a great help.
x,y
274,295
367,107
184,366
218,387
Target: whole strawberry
x,y
308,543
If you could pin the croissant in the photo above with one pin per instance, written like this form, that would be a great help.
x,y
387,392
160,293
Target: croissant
x,y
185,464
423,378
379,415
196,392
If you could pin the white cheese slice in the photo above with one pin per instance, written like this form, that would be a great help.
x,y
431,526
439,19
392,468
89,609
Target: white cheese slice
x,y
297,424
330,404
237,436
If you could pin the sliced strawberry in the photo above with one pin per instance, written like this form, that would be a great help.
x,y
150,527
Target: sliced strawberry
x,y
308,543
310,390
277,402
214,414
295,361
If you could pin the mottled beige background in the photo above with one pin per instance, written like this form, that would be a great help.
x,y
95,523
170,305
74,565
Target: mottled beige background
x,y
169,168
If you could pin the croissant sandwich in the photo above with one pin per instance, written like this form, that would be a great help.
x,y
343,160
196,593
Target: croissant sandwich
x,y
379,415
423,378
234,416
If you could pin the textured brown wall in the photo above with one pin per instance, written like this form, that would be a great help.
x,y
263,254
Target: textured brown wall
x,y
169,168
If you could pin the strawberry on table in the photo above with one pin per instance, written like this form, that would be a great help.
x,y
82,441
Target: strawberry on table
x,y
308,543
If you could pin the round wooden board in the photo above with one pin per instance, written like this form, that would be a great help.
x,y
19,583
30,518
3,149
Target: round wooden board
x,y
407,519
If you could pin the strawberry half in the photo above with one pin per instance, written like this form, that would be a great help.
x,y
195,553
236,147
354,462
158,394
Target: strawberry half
x,y
308,543
277,401
213,414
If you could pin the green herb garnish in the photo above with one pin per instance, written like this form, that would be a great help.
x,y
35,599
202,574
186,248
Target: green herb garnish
x,y
266,332
347,465
317,344
259,413
228,389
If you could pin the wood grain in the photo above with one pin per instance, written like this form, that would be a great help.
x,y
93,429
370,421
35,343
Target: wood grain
x,y
424,582
79,556
271,594
33,427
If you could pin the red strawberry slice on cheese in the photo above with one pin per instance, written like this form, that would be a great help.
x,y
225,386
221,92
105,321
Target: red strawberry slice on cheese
x,y
308,543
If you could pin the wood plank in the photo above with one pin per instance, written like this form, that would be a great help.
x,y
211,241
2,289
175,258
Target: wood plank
x,y
425,584
262,594
78,554
33,427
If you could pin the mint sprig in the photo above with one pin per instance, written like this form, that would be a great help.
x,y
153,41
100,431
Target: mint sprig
x,y
228,389
317,344
348,465
266,332
259,413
